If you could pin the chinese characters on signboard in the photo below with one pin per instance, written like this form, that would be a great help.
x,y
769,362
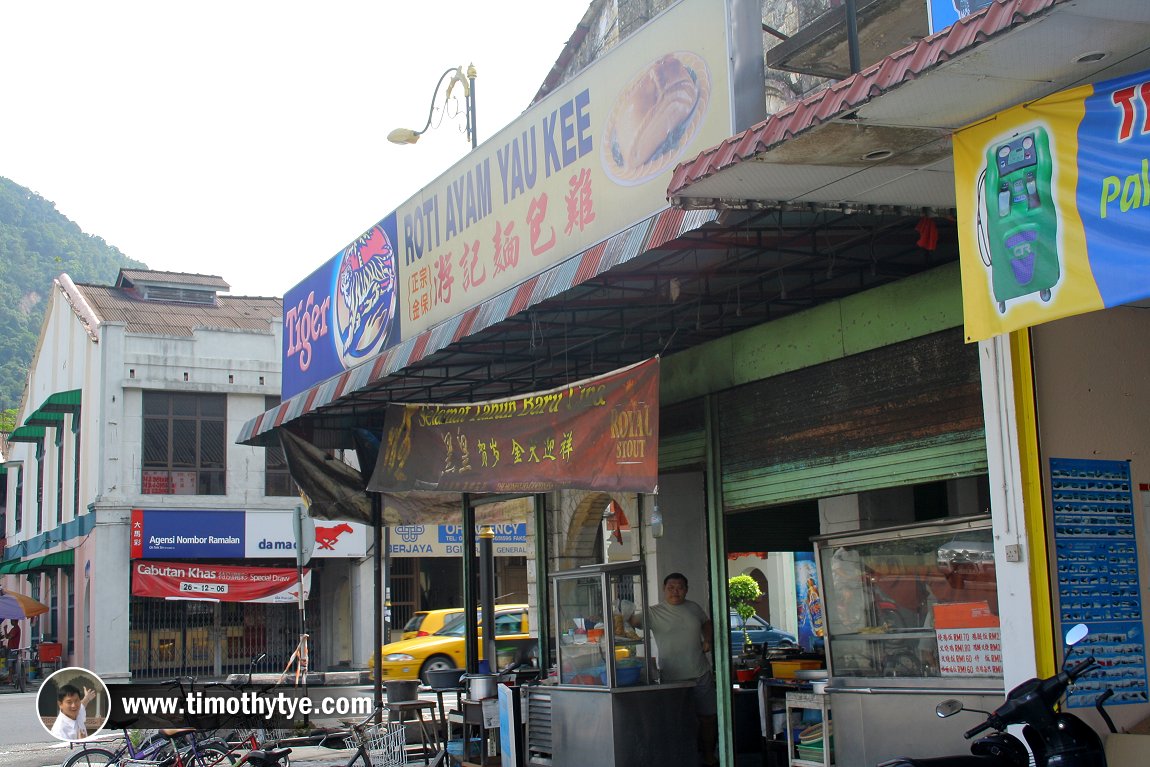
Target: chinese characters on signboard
x,y
586,162
969,642
600,433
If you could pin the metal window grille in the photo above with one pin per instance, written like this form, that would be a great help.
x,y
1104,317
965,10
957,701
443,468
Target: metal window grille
x,y
277,479
185,443
206,639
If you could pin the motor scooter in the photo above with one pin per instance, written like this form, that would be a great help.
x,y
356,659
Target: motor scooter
x,y
1057,738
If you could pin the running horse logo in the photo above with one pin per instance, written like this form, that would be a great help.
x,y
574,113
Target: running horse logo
x,y
327,537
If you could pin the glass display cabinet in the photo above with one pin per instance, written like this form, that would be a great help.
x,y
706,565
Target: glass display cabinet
x,y
598,645
900,601
606,708
912,618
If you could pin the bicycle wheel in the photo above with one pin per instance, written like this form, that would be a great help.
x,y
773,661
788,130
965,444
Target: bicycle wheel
x,y
214,753
21,676
361,759
91,756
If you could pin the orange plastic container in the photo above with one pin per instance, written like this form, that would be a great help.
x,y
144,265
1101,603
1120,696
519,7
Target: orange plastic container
x,y
785,669
594,635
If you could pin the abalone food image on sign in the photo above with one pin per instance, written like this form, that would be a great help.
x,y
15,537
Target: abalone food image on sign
x,y
654,118
365,297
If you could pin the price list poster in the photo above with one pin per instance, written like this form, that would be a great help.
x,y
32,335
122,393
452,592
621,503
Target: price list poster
x,y
1098,584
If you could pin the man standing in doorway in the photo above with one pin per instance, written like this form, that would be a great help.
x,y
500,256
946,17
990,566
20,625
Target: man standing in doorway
x,y
683,632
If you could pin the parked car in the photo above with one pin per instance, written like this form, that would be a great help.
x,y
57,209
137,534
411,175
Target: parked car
x,y
426,622
760,633
413,658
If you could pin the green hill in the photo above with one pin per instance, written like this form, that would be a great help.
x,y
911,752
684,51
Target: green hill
x,y
37,242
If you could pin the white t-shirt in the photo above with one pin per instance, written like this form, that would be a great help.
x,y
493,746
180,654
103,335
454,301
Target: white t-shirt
x,y
678,631
71,729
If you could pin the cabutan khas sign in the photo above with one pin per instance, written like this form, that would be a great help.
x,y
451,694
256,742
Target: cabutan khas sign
x,y
220,583
588,161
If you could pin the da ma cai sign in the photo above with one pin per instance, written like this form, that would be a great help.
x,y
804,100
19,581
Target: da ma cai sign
x,y
596,434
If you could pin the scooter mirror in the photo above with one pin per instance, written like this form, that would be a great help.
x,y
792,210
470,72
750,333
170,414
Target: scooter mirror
x,y
1076,634
948,708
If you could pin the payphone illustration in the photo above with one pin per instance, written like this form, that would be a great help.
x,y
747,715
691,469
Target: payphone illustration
x,y
1018,227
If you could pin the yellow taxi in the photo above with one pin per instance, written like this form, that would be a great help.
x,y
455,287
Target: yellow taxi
x,y
413,658
425,622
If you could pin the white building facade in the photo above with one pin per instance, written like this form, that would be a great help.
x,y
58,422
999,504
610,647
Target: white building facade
x,y
134,515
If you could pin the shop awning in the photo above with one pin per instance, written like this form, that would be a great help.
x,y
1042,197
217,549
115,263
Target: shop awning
x,y
27,434
45,418
43,562
883,136
466,330
63,402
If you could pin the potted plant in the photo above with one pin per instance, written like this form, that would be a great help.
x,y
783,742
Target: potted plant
x,y
742,591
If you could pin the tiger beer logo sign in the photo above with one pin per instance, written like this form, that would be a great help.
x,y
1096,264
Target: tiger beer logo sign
x,y
365,297
344,313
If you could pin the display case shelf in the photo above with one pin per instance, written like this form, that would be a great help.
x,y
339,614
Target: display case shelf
x,y
888,593
598,646
800,701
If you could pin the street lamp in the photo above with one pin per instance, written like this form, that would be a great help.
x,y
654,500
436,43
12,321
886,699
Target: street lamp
x,y
455,75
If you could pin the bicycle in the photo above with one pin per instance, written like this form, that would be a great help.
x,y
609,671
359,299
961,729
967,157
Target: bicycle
x,y
377,743
18,661
159,748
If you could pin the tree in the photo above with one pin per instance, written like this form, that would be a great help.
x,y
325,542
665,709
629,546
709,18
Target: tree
x,y
742,591
37,243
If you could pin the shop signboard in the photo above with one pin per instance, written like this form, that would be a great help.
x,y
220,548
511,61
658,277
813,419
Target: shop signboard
x,y
221,583
1053,198
235,534
447,540
1096,558
943,13
599,433
591,159
969,639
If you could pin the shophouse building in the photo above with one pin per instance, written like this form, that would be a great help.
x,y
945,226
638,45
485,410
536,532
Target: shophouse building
x,y
132,513
806,268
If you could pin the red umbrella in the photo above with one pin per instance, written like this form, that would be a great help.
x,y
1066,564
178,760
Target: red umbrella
x,y
17,606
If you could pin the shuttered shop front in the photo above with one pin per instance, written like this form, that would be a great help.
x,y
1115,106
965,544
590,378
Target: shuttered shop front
x,y
899,415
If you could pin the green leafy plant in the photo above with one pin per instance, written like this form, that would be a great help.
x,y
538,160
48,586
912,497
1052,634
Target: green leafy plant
x,y
742,591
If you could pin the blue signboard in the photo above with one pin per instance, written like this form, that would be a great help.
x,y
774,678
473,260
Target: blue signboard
x,y
345,312
1098,584
214,534
943,13
506,533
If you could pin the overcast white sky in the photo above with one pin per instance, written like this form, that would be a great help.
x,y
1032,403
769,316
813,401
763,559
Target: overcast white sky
x,y
247,138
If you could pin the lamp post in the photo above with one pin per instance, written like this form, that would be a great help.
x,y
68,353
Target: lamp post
x,y
454,75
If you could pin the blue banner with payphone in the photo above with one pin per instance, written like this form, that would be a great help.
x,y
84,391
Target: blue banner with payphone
x,y
1053,206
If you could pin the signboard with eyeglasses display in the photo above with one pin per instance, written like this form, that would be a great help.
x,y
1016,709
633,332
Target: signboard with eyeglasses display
x,y
1097,570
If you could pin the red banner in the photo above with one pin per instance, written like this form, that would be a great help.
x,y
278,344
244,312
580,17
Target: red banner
x,y
597,434
185,580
